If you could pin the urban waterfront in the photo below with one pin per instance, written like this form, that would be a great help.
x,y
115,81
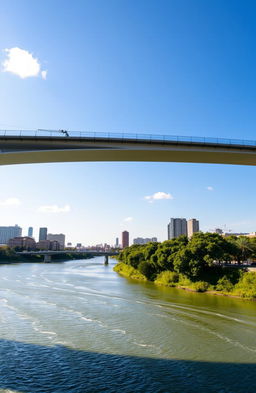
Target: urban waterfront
x,y
80,327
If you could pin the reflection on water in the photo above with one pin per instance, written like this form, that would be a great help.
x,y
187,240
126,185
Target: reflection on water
x,y
79,327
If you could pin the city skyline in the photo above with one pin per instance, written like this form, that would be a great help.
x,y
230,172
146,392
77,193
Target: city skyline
x,y
139,80
192,226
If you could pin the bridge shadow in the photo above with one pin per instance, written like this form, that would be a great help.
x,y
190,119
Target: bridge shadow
x,y
30,368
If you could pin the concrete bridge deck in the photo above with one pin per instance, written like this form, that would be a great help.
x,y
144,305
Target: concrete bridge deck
x,y
48,254
21,147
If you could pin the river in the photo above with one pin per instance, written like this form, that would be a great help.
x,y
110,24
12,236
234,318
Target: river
x,y
79,327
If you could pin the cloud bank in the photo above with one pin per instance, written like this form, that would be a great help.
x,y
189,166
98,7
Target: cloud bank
x,y
22,63
10,202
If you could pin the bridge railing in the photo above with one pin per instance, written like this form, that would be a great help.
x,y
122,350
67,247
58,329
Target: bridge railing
x,y
126,137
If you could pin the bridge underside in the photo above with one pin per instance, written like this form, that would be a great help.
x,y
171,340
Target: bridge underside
x,y
25,150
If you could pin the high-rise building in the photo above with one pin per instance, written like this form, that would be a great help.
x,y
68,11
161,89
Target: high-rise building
x,y
30,232
117,243
193,226
42,234
125,239
177,227
59,237
7,233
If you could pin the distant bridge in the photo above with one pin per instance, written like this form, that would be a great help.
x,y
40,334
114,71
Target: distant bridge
x,y
23,147
48,254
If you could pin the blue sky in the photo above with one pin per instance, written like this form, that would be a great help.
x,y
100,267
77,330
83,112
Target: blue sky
x,y
162,67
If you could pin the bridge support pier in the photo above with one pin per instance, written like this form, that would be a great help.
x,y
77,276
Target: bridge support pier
x,y
47,258
106,260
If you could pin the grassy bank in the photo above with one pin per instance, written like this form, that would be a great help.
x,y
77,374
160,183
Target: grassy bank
x,y
244,288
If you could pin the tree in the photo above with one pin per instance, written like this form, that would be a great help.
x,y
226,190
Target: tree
x,y
164,256
245,249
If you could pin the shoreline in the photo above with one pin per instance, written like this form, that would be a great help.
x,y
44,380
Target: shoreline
x,y
136,275
211,292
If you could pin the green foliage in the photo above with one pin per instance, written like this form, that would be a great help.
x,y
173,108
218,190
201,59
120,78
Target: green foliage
x,y
200,286
201,253
147,269
129,271
224,285
196,263
243,248
184,281
246,287
164,256
8,255
167,278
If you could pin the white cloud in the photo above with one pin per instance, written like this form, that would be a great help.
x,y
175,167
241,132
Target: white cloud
x,y
22,63
54,209
209,188
128,219
44,74
157,196
10,202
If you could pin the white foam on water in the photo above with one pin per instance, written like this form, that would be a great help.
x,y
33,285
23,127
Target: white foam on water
x,y
118,331
143,345
46,279
192,310
87,319
38,328
46,332
210,331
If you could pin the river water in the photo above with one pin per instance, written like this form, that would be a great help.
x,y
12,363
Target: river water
x,y
80,327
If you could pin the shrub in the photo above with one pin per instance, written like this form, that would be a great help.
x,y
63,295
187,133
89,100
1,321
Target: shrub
x,y
167,278
129,271
224,284
201,286
246,287
184,281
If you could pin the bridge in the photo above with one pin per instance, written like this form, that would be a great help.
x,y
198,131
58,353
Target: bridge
x,y
48,254
23,147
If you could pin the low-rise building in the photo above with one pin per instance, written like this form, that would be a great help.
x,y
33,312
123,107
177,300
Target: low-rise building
x,y
43,245
235,234
25,242
142,240
55,246
46,245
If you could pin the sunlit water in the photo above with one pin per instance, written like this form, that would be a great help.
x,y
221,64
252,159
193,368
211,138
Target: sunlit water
x,y
80,327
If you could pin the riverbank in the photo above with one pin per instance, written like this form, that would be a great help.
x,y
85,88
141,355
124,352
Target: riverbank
x,y
244,289
197,263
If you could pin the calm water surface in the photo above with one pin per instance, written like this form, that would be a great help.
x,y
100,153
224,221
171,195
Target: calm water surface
x,y
79,327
